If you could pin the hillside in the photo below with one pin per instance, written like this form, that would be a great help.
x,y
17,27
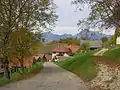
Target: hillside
x,y
49,36
82,65
114,54
99,72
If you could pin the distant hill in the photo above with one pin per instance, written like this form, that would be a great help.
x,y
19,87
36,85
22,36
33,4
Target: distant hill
x,y
49,36
91,35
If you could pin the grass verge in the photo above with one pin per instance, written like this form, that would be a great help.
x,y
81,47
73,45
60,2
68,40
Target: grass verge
x,y
82,65
20,76
114,54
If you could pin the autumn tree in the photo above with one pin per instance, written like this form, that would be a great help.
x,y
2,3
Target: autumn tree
x,y
21,43
30,14
85,46
112,40
104,39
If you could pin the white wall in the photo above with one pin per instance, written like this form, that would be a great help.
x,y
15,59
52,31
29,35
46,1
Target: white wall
x,y
118,40
66,55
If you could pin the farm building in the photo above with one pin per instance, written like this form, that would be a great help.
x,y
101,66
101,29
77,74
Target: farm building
x,y
94,44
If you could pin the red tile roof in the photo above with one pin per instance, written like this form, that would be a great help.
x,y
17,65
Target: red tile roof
x,y
74,48
26,63
48,57
41,56
60,49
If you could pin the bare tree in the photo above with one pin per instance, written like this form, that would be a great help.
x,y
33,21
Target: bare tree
x,y
103,13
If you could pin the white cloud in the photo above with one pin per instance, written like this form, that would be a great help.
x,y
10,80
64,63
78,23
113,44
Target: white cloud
x,y
66,30
68,18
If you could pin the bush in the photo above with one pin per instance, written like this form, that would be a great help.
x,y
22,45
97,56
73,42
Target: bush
x,y
4,81
19,76
114,54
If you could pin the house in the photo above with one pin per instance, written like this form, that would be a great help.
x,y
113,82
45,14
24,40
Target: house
x,y
48,57
61,51
43,57
94,44
74,48
118,40
27,62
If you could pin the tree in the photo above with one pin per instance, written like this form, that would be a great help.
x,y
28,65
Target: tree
x,y
21,42
104,39
85,46
15,14
112,40
103,13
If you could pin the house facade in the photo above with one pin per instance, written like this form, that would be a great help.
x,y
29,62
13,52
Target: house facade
x,y
43,57
118,40
94,44
61,51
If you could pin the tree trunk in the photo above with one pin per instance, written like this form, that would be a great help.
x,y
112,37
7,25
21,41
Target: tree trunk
x,y
7,71
22,64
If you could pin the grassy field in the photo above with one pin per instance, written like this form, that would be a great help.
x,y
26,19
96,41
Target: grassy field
x,y
82,65
20,76
114,54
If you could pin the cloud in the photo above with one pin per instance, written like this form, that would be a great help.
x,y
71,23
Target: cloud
x,y
66,30
68,17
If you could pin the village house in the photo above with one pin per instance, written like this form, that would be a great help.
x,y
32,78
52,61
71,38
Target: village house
x,y
94,44
43,57
61,51
74,48
15,63
118,41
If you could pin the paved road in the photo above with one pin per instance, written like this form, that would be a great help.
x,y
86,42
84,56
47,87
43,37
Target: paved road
x,y
101,52
51,77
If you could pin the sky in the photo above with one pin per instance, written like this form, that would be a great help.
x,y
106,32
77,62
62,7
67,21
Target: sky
x,y
68,17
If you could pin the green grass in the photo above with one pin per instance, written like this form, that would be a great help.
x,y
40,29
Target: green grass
x,y
114,54
82,65
28,72
4,81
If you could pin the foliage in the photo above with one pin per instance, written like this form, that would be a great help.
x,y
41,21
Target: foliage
x,y
69,41
21,42
104,39
85,46
29,14
19,76
112,40
102,12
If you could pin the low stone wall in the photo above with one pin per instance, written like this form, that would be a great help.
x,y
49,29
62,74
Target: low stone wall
x,y
108,78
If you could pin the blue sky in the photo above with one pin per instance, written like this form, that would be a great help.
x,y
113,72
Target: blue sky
x,y
68,17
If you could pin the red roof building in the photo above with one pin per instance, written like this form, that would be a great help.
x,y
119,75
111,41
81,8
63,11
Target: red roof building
x,y
27,62
60,49
74,48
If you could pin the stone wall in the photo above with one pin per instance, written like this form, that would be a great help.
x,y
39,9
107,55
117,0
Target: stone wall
x,y
108,78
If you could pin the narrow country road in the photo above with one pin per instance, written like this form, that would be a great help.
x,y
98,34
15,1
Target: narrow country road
x,y
52,77
101,52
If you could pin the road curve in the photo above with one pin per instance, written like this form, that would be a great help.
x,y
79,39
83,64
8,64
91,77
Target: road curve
x,y
52,77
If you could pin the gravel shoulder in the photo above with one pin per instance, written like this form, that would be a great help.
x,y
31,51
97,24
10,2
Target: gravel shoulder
x,y
52,77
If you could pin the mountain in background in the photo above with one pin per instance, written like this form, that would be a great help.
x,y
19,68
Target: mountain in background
x,y
49,36
91,35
